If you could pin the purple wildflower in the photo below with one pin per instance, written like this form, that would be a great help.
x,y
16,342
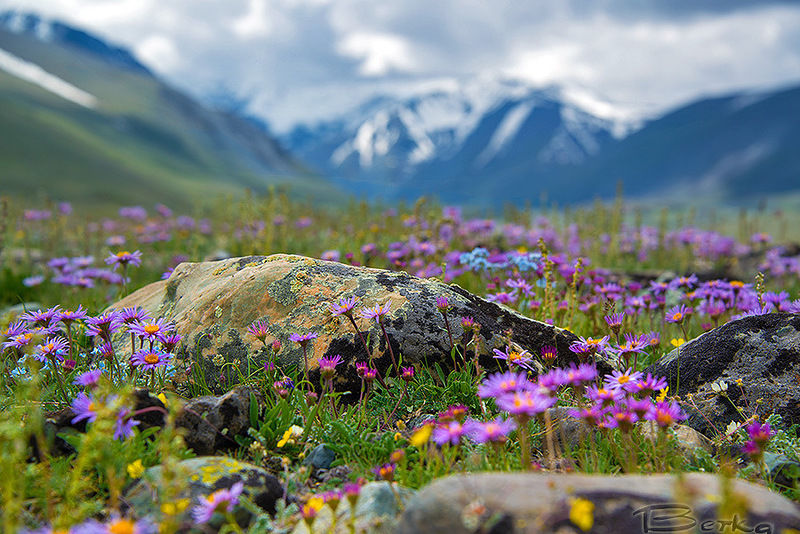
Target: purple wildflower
x,y
123,426
124,258
451,433
327,366
512,357
502,383
84,407
525,403
150,359
259,330
376,312
223,500
302,339
625,381
666,413
152,330
52,348
89,378
344,306
495,431
677,314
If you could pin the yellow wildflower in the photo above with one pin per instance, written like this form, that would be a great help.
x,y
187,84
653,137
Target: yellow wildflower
x,y
662,394
397,436
290,435
174,508
581,513
162,398
421,436
135,469
677,342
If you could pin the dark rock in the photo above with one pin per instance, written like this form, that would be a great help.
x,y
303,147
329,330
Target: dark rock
x,y
204,475
541,503
762,351
213,303
152,412
212,423
320,457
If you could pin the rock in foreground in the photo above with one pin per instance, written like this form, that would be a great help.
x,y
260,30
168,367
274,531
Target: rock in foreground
x,y
542,503
213,303
762,351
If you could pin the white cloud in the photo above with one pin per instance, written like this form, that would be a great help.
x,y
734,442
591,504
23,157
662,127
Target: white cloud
x,y
379,53
301,59
159,50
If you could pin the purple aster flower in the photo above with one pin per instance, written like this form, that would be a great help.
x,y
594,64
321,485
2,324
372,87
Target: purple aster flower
x,y
495,431
52,348
624,381
649,384
327,366
123,426
442,304
512,357
641,407
13,329
549,382
450,433
549,354
407,373
19,341
653,339
344,306
84,407
620,416
152,330
42,318
678,314
591,415
576,375
150,359
103,325
605,396
124,258
501,383
170,341
376,312
68,317
684,281
385,471
89,378
303,339
614,321
133,315
259,330
666,413
759,433
525,403
223,500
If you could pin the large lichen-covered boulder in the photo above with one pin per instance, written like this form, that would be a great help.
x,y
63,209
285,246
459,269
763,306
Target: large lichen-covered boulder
x,y
756,358
540,503
213,303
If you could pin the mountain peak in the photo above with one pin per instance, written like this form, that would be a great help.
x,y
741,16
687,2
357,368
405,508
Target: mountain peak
x,y
50,30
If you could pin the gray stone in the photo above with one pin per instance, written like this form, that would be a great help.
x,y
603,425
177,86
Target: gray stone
x,y
212,423
10,313
536,503
203,476
213,303
762,351
320,457
377,510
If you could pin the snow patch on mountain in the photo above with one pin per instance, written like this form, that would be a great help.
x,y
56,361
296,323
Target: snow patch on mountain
x,y
506,131
36,75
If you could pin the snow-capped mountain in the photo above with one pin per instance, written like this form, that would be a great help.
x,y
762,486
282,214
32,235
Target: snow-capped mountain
x,y
482,126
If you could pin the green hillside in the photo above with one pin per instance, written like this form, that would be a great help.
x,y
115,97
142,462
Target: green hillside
x,y
143,143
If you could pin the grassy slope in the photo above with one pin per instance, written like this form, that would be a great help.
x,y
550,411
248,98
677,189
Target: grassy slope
x,y
141,145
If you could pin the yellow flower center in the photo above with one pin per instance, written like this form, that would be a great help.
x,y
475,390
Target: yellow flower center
x,y
151,329
602,391
92,407
151,358
513,356
664,418
623,379
737,284
677,317
122,526
122,254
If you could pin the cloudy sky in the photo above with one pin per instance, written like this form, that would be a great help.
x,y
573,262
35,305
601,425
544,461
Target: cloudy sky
x,y
298,60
